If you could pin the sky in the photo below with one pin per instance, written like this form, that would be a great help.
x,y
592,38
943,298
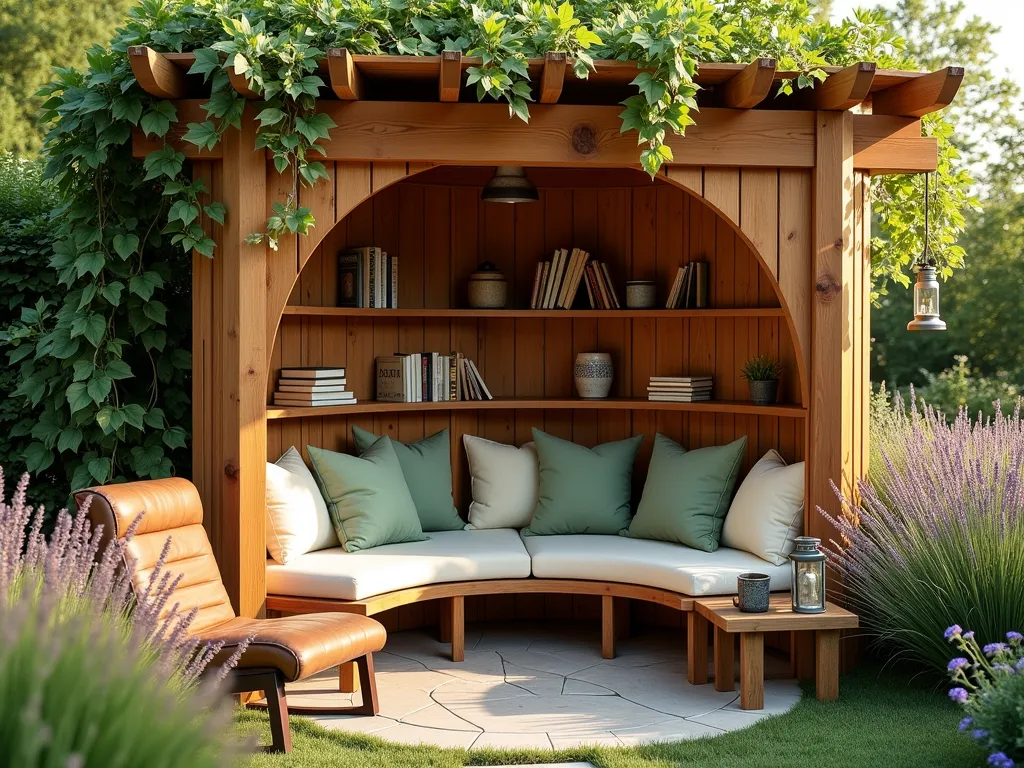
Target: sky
x,y
1006,14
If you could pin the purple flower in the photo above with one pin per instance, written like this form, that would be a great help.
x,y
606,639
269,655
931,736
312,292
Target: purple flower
x,y
1000,760
1014,637
958,663
952,632
966,723
993,648
959,695
1019,666
978,734
1003,668
969,635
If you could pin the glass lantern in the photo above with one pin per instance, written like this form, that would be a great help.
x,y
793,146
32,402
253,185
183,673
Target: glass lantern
x,y
808,576
926,301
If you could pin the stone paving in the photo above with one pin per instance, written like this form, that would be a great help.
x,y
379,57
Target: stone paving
x,y
532,686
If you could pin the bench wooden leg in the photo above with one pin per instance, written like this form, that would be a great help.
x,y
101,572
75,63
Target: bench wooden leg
x,y
607,627
752,670
348,677
696,648
458,627
368,685
444,631
725,661
277,708
826,665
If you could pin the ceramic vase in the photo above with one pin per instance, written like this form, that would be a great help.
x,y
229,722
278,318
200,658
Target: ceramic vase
x,y
487,287
640,294
593,373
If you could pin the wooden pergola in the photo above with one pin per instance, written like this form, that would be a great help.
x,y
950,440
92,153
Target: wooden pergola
x,y
773,191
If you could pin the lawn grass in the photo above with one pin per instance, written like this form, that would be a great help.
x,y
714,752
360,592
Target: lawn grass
x,y
883,718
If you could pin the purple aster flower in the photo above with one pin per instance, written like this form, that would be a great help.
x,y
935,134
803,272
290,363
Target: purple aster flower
x,y
969,635
959,695
979,734
1000,760
1019,666
993,648
1003,668
1014,637
958,663
966,723
952,632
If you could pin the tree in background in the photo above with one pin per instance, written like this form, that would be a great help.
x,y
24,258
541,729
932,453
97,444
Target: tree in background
x,y
982,354
35,37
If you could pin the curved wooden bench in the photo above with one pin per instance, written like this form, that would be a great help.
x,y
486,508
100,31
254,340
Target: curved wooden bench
x,y
453,594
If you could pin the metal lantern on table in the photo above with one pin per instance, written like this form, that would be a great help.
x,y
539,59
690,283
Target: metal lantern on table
x,y
808,576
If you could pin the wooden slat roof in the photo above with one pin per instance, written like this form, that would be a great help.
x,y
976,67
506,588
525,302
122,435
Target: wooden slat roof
x,y
430,78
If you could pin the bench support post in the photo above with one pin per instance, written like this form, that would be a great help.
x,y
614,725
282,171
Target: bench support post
x,y
752,670
696,648
826,673
607,627
725,661
457,628
348,677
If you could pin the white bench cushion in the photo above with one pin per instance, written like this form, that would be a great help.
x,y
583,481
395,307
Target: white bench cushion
x,y
657,564
444,556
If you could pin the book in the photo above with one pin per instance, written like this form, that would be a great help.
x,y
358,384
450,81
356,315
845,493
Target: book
x,y
312,373
453,376
392,372
673,294
312,398
372,297
310,390
678,398
556,260
701,289
545,278
350,279
571,282
393,293
312,383
563,289
611,286
586,282
577,278
537,275
480,382
278,400
606,298
680,379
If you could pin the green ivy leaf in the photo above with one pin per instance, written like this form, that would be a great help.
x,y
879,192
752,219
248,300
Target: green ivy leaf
x,y
207,61
133,414
163,162
37,457
69,440
216,211
83,369
118,369
100,469
204,135
112,292
126,245
77,396
99,387
143,285
127,108
174,438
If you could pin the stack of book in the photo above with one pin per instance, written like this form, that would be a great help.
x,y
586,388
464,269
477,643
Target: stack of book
x,y
368,277
690,288
556,282
429,377
679,389
312,387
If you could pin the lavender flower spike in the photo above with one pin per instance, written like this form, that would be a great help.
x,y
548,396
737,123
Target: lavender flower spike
x,y
958,663
952,632
959,695
1014,637
993,648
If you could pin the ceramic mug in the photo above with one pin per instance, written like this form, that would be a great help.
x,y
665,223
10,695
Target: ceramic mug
x,y
752,592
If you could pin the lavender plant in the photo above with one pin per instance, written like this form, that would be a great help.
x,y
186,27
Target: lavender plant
x,y
938,533
989,683
91,674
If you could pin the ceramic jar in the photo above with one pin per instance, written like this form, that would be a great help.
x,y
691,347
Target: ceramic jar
x,y
640,294
488,288
764,392
593,374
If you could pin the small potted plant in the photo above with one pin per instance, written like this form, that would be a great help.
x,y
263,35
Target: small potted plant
x,y
762,374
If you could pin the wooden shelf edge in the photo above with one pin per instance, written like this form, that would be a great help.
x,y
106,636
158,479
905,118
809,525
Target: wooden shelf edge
x,y
737,407
666,314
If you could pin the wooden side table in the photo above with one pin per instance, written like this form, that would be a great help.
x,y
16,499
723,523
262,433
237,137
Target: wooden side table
x,y
729,620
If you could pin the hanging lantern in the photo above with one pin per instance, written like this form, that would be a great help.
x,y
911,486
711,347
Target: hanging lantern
x,y
808,576
509,185
926,289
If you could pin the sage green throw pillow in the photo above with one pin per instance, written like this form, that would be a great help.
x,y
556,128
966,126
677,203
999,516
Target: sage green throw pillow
x,y
582,490
367,497
687,493
427,466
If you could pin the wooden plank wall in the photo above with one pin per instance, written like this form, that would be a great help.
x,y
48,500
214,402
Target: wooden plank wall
x,y
643,230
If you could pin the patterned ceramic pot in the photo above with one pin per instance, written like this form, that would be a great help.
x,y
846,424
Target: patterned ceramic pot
x,y
487,288
752,592
764,392
593,373
640,294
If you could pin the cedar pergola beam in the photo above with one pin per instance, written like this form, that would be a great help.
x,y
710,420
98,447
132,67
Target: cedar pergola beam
x,y
749,87
449,80
921,95
157,75
241,85
552,77
345,78
839,91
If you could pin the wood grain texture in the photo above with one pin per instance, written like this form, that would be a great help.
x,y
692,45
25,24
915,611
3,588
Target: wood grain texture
x,y
155,74
344,76
748,87
696,648
919,96
607,627
839,91
725,660
826,667
752,670
552,77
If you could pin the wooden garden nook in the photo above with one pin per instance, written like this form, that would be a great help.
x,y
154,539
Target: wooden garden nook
x,y
772,191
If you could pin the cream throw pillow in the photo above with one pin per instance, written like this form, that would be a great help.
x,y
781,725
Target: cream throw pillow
x,y
767,512
505,480
297,519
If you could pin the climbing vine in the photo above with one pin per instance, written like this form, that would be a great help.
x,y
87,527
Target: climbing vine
x,y
104,366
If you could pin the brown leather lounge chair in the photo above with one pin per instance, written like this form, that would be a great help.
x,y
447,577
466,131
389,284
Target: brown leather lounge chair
x,y
284,650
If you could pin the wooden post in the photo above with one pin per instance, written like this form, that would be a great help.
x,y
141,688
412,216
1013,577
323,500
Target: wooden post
x,y
826,670
752,670
237,432
607,627
696,648
458,627
725,660
348,677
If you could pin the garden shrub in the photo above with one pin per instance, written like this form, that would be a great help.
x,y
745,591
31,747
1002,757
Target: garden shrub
x,y
962,387
90,674
938,533
990,685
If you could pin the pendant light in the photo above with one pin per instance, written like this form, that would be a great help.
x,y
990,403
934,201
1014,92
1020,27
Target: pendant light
x,y
926,289
509,185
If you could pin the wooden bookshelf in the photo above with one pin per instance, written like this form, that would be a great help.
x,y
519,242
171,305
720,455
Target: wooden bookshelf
x,y
735,407
522,314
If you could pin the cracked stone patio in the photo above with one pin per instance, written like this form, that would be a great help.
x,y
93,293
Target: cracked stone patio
x,y
539,687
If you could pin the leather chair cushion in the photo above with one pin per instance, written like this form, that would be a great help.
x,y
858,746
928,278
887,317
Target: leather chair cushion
x,y
299,646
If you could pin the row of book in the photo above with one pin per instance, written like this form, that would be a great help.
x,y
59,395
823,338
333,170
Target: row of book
x,y
429,377
690,288
679,389
368,278
312,386
556,282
